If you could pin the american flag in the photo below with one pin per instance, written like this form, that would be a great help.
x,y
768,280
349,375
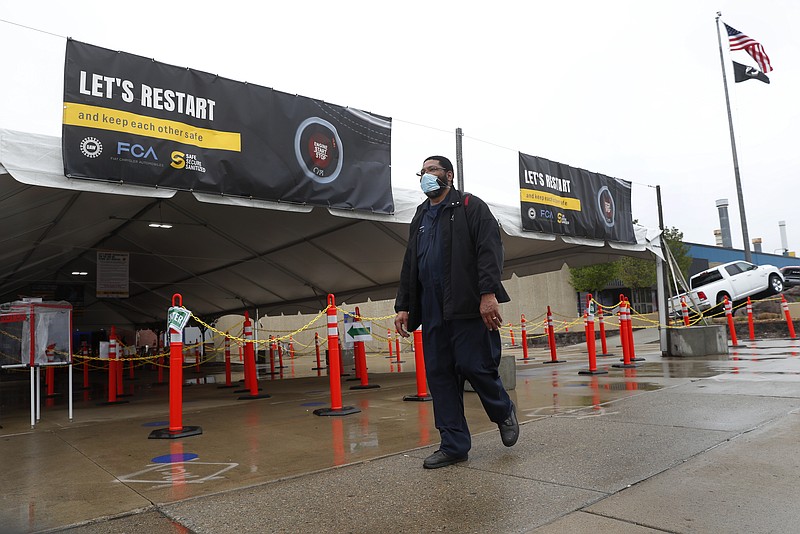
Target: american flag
x,y
739,41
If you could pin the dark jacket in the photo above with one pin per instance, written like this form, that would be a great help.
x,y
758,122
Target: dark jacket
x,y
472,257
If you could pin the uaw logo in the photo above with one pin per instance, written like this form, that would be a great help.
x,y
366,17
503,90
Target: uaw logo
x,y
606,206
91,147
318,149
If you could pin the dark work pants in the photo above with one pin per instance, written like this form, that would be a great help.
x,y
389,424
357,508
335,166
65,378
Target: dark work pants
x,y
454,351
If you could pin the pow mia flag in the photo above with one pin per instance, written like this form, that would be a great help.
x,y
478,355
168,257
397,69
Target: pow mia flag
x,y
742,73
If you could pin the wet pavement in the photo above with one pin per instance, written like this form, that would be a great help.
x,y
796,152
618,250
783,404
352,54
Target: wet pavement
x,y
673,445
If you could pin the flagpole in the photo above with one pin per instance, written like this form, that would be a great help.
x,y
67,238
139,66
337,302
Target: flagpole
x,y
745,236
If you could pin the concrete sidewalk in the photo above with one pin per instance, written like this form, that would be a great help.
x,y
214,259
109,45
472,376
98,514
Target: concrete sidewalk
x,y
674,445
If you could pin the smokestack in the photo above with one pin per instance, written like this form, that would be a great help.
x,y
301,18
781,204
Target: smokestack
x,y
718,237
784,241
724,223
757,245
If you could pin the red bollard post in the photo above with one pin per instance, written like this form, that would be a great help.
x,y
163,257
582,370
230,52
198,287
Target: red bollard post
x,y
361,356
551,338
50,372
788,315
623,332
626,337
524,334
316,347
178,317
397,349
511,331
603,342
389,340
591,344
291,348
334,366
112,370
729,316
119,364
685,311
631,344
227,344
251,375
85,353
750,325
419,361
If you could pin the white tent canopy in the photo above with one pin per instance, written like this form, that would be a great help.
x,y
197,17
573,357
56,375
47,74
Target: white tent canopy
x,y
219,256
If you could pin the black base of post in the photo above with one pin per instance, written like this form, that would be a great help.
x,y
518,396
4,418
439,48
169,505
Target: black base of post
x,y
227,387
345,410
185,432
401,361
259,396
246,390
590,372
525,359
555,361
368,386
605,355
318,368
637,359
624,365
418,398
109,403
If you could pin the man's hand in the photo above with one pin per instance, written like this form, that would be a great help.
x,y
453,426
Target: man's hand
x,y
401,323
490,311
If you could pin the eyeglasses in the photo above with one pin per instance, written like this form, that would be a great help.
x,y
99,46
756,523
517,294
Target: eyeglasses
x,y
430,170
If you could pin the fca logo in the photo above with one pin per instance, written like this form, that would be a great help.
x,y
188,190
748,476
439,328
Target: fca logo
x,y
137,151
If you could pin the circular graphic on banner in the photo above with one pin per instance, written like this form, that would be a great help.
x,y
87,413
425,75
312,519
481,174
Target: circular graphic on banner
x,y
531,213
319,150
605,203
91,147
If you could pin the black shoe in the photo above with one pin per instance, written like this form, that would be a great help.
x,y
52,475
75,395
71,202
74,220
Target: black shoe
x,y
441,459
509,429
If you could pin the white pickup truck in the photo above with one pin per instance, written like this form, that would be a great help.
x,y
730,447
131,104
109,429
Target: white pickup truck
x,y
736,280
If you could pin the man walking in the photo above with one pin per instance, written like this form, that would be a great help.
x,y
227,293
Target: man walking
x,y
450,284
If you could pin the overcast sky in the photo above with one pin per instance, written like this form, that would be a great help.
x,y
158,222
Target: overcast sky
x,y
628,89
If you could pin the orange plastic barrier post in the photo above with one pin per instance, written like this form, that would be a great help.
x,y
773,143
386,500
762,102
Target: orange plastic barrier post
x,y
389,341
685,311
785,306
397,347
85,353
419,363
591,344
551,338
603,341
112,369
625,336
177,320
511,331
319,366
631,344
729,316
334,366
524,335
750,325
251,375
227,345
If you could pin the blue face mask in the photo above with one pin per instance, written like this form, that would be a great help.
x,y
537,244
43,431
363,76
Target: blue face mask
x,y
430,185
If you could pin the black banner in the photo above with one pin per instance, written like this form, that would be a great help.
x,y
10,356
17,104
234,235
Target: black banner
x,y
559,199
133,120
